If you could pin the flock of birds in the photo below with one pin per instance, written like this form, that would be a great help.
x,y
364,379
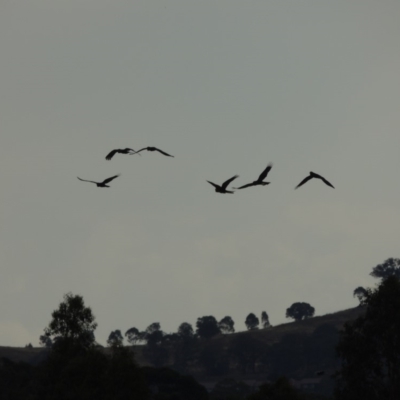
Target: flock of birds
x,y
218,188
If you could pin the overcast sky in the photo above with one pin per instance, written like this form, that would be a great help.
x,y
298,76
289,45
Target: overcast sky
x,y
226,87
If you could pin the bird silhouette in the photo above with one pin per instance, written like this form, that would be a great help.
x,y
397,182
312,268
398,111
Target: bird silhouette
x,y
101,184
260,179
153,149
222,188
320,373
314,175
111,154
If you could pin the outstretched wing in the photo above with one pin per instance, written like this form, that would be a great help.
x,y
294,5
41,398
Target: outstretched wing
x,y
144,148
84,180
132,151
264,174
328,183
323,179
304,181
110,179
111,154
226,183
163,152
245,186
215,185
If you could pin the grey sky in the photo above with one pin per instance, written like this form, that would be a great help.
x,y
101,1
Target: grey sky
x,y
226,87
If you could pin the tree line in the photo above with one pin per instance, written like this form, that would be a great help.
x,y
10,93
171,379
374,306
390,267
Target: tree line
x,y
206,327
75,367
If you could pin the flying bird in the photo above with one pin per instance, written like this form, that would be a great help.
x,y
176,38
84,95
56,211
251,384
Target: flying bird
x,y
111,154
314,175
260,180
101,184
153,149
320,373
222,188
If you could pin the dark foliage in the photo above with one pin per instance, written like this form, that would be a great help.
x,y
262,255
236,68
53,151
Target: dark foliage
x,y
185,330
115,338
45,341
71,373
265,320
226,325
360,293
134,336
155,326
155,351
207,327
391,267
252,322
73,321
300,311
75,367
184,350
370,348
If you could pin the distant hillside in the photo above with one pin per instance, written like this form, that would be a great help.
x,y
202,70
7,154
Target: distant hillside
x,y
295,350
268,336
275,334
221,354
24,354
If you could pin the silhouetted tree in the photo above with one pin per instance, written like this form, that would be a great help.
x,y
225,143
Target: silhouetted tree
x,y
252,322
226,325
170,338
77,369
73,322
155,338
45,341
390,267
134,336
155,326
207,327
360,293
370,348
300,311
265,320
184,348
155,352
115,338
185,330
